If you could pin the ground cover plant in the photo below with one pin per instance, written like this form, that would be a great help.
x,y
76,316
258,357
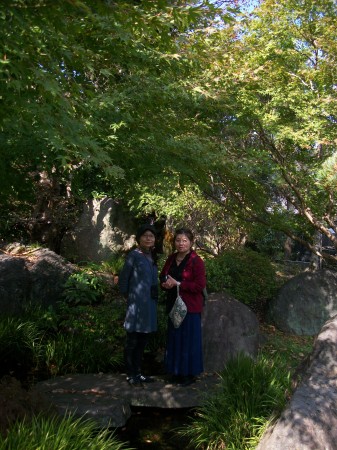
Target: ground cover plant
x,y
45,343
251,395
52,433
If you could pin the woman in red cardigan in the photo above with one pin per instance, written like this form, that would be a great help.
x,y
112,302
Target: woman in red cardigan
x,y
184,268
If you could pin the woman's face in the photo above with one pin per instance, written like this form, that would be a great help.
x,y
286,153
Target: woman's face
x,y
182,243
147,240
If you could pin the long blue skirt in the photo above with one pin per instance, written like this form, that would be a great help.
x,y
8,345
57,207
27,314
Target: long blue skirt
x,y
184,347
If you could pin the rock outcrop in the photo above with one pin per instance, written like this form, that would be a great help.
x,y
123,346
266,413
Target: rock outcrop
x,y
310,420
103,228
34,278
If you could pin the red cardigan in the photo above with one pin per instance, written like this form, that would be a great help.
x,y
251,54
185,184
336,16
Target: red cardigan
x,y
193,281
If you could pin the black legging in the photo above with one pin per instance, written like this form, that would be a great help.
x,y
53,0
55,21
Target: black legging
x,y
133,352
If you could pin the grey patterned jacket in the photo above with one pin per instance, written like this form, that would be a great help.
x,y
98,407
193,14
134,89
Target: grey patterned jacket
x,y
138,281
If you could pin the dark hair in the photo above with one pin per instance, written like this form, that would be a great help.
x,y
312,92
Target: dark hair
x,y
185,231
143,228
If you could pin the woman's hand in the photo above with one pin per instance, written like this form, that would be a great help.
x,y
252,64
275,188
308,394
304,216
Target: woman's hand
x,y
170,283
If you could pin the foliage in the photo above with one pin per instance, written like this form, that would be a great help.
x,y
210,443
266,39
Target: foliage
x,y
218,278
242,111
82,338
78,338
101,321
21,346
234,417
90,338
53,434
80,354
183,203
247,275
114,264
277,103
251,395
268,241
79,81
83,288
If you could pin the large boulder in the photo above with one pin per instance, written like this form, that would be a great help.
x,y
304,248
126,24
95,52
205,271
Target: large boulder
x,y
34,277
310,420
14,284
48,274
305,303
103,228
229,327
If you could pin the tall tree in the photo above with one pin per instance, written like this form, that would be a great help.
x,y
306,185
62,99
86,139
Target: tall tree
x,y
274,85
89,84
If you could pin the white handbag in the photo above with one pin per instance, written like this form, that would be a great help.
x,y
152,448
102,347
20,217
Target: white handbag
x,y
178,311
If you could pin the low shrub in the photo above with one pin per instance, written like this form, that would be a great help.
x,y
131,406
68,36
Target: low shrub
x,y
247,275
218,278
83,288
56,341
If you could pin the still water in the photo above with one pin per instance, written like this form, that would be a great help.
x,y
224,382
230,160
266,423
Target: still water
x,y
154,428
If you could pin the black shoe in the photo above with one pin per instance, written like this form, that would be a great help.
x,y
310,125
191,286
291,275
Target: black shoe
x,y
134,382
144,379
187,381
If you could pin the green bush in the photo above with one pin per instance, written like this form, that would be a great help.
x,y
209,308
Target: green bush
x,y
218,278
54,434
247,275
236,414
83,288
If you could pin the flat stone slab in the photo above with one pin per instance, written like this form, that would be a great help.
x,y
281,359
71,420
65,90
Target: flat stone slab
x,y
108,398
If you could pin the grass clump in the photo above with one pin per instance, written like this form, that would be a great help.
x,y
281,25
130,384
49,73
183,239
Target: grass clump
x,y
20,345
236,415
51,433
71,338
